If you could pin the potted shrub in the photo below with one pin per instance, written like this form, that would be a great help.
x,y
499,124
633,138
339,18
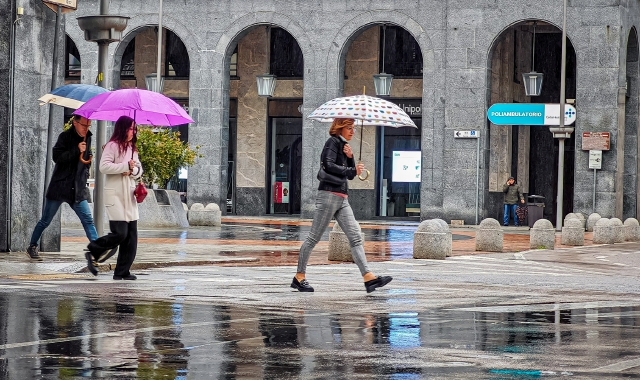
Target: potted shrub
x,y
162,153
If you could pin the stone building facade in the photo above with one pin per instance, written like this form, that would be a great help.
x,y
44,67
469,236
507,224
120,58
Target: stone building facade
x,y
473,55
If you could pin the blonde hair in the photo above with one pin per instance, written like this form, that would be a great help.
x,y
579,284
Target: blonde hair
x,y
338,124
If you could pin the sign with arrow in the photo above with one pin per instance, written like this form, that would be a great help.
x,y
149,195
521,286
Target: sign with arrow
x,y
595,159
473,134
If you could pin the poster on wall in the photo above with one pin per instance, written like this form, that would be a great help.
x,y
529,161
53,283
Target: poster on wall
x,y
281,192
406,166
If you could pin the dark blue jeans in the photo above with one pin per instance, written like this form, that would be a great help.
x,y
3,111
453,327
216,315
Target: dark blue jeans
x,y
510,209
51,207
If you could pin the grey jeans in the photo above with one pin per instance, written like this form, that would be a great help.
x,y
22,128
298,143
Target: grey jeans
x,y
329,205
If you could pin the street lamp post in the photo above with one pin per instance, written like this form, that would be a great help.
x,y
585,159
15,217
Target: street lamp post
x,y
103,29
561,133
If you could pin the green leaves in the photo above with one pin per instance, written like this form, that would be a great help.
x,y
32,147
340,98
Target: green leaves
x,y
162,154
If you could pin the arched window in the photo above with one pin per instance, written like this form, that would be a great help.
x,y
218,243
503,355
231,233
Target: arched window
x,y
286,56
176,57
402,55
127,68
72,60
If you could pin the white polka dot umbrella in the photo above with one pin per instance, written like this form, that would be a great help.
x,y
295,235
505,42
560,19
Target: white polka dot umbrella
x,y
366,110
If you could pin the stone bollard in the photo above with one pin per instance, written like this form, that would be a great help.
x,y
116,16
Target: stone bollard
x,y
631,230
573,232
618,233
489,236
432,240
592,220
205,216
577,216
339,247
542,235
603,232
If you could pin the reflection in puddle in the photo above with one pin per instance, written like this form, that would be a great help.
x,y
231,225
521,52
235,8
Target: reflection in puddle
x,y
77,337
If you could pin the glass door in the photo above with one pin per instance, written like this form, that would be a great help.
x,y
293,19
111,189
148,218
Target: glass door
x,y
285,165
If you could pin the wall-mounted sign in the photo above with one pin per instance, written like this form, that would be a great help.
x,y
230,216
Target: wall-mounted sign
x,y
473,134
413,107
596,140
530,114
595,159
67,5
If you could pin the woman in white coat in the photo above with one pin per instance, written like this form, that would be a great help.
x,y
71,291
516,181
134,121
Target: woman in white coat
x,y
122,168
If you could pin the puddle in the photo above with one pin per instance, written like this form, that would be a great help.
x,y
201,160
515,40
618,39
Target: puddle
x,y
49,336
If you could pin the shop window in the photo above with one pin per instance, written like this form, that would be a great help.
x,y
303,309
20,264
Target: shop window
x,y
286,59
402,54
127,67
72,60
176,57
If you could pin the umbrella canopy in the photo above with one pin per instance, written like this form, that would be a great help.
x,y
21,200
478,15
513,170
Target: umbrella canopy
x,y
145,107
71,95
368,110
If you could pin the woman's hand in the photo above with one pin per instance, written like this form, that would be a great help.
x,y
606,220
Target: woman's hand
x,y
359,168
347,150
132,164
125,174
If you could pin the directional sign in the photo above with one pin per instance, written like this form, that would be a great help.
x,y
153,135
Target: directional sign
x,y
466,134
595,159
530,114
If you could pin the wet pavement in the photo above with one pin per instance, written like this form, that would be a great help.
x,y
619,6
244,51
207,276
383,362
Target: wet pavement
x,y
520,314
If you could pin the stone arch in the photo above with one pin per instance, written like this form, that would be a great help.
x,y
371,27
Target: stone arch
x,y
140,22
342,41
243,25
630,204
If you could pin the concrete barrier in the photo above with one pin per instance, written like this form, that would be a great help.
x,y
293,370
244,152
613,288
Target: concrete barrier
x,y
573,232
542,235
161,208
432,240
489,236
592,220
205,216
631,229
603,232
339,247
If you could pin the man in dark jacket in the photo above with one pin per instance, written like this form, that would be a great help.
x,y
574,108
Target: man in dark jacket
x,y
512,194
72,156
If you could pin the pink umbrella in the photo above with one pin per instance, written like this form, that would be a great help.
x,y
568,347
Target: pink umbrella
x,y
145,107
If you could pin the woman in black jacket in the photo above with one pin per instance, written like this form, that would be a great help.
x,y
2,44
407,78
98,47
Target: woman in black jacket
x,y
338,165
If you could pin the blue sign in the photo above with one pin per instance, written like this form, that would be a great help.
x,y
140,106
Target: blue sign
x,y
530,114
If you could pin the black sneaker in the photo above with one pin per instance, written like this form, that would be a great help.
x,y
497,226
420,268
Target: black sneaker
x,y
32,252
378,282
130,277
90,265
302,286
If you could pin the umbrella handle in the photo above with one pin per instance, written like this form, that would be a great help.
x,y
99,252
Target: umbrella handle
x,y
365,177
82,154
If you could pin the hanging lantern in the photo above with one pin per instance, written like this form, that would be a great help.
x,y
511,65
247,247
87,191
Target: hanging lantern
x,y
382,83
266,84
532,83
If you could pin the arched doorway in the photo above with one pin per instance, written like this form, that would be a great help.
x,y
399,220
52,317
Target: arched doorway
x,y
391,49
265,135
529,153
